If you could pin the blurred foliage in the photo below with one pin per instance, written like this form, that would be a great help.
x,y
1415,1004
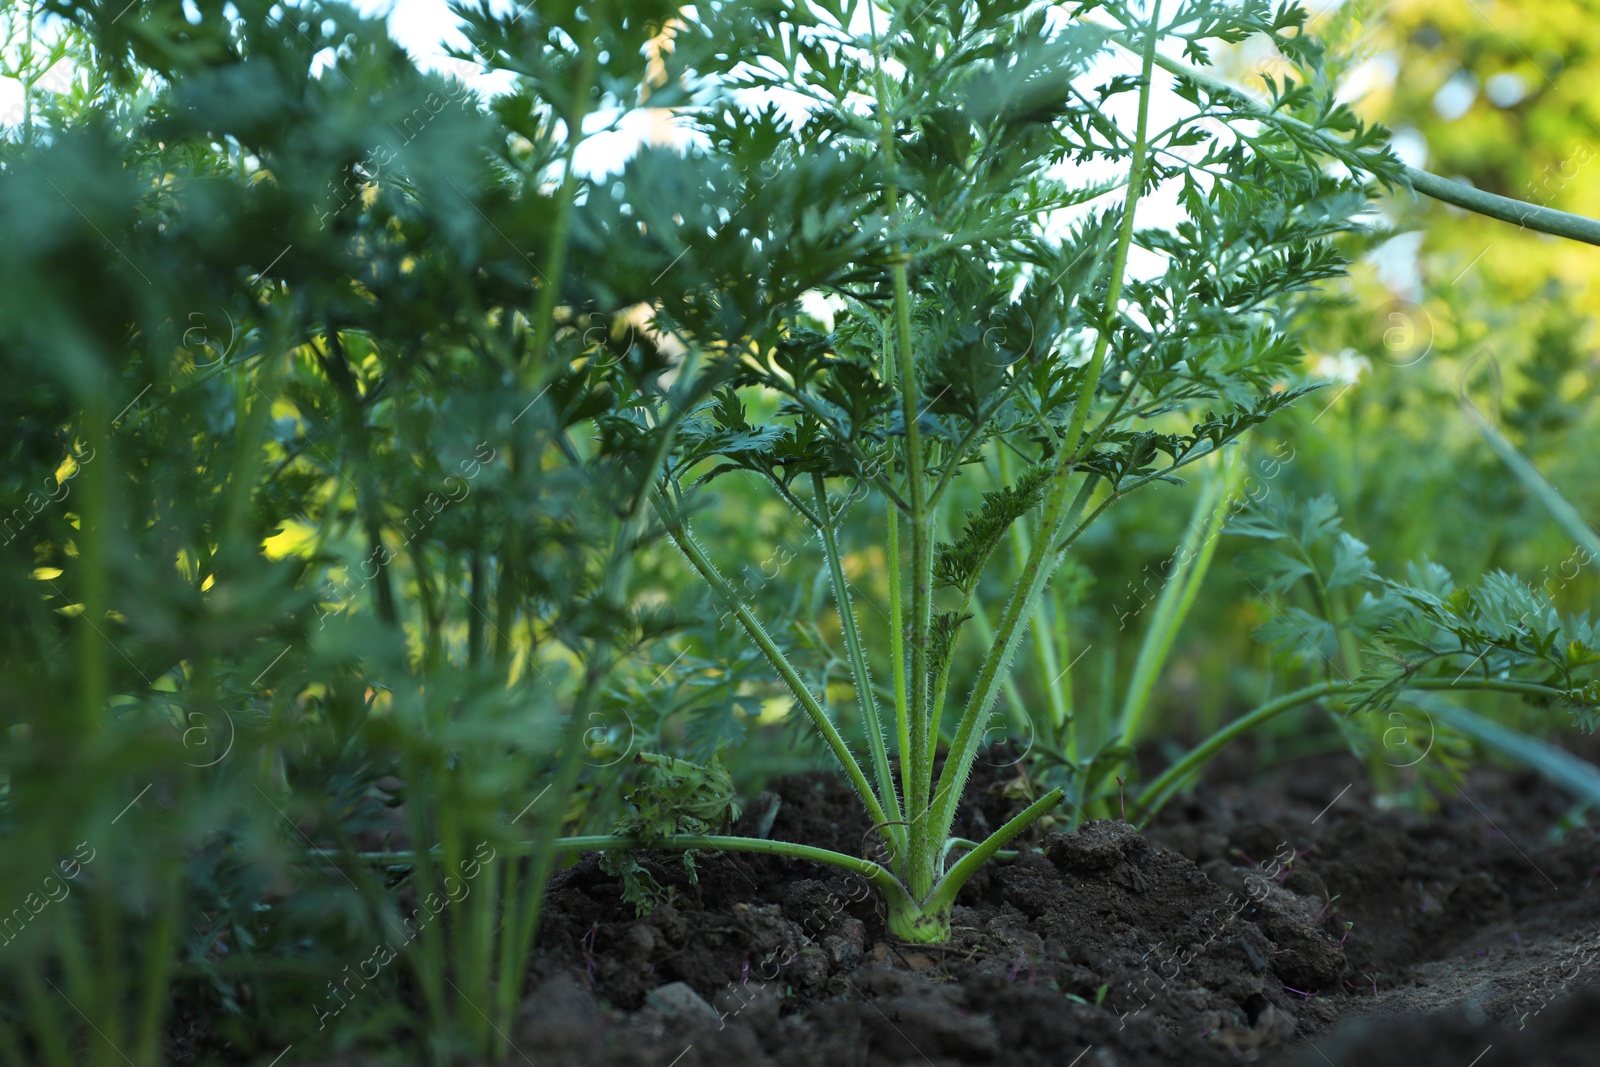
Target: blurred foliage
x,y
1441,306
311,547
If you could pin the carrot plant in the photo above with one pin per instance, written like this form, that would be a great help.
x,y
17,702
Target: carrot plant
x,y
920,192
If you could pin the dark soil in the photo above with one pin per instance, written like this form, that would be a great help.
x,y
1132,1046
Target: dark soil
x,y
1287,923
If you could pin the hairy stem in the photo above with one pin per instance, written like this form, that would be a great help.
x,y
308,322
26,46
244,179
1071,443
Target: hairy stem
x,y
897,652
1043,647
865,697
944,893
922,856
1041,560
678,530
877,874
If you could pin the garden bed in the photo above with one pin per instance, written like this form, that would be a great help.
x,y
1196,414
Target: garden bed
x,y
1446,935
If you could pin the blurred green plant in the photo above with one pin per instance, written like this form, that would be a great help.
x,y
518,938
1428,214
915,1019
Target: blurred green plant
x,y
1394,638
1389,442
313,551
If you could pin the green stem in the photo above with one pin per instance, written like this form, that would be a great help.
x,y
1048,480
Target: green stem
x,y
1576,526
106,980
1579,777
922,853
921,584
1040,627
1178,595
507,596
524,920
865,697
430,614
601,842
1491,205
897,652
962,842
560,236
678,530
897,618
969,732
1119,263
877,874
477,602
1067,729
153,993
1157,793
1505,208
1008,684
944,894
49,1033
425,954
1035,573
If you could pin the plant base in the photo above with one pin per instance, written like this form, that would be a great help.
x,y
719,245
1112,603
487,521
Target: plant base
x,y
920,926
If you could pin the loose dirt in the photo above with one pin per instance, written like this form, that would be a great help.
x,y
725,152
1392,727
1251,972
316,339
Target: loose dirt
x,y
1281,921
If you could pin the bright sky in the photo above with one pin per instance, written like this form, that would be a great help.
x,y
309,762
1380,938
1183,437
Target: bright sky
x,y
419,25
